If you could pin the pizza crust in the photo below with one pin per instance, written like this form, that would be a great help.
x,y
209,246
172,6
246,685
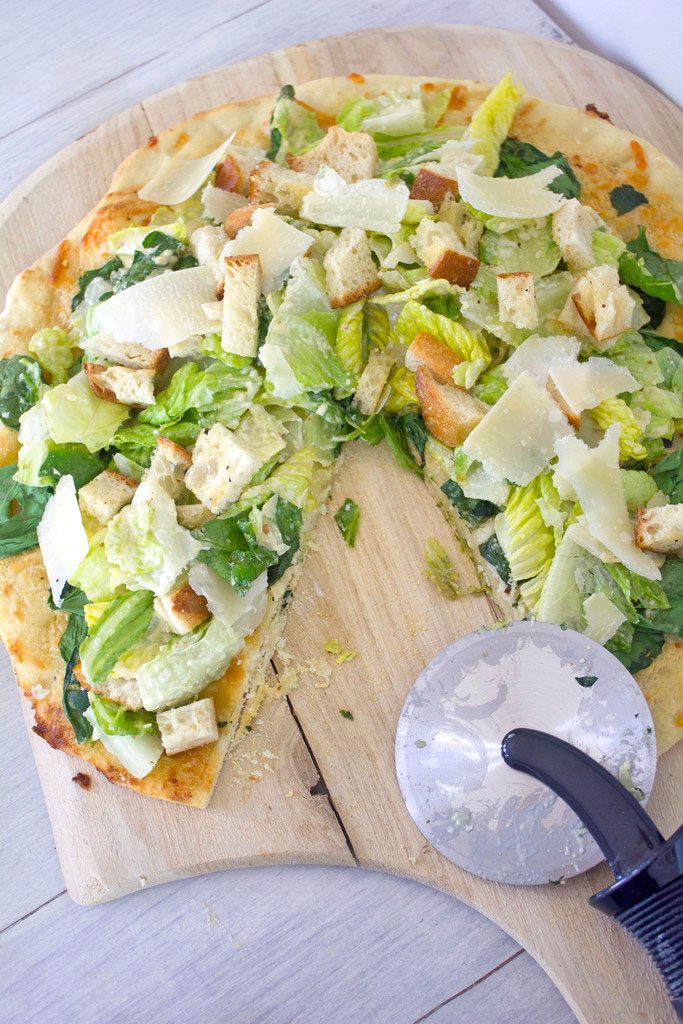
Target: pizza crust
x,y
602,157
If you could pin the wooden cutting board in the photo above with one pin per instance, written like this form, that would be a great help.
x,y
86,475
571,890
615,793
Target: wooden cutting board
x,y
271,805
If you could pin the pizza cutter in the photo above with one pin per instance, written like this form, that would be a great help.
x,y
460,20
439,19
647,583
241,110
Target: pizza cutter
x,y
570,718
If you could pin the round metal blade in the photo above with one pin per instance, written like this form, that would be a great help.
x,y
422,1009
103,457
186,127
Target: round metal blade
x,y
479,813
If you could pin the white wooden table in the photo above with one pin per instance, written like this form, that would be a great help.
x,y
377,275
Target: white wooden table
x,y
276,945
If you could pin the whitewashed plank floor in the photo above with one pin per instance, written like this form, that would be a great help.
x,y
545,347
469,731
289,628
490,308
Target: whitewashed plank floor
x,y
277,945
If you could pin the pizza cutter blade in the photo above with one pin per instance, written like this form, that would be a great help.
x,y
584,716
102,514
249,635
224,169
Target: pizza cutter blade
x,y
497,823
572,721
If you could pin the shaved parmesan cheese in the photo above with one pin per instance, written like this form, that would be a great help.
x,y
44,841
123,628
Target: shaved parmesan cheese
x,y
511,198
515,439
593,474
137,754
536,356
585,385
62,537
581,535
176,179
602,618
480,485
217,203
242,614
276,243
160,311
279,373
371,204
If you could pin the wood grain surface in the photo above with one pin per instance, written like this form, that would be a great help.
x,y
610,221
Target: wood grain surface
x,y
110,841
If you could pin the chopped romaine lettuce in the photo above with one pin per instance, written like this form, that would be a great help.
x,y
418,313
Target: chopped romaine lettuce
x,y
115,720
668,475
639,488
349,341
53,348
492,120
186,665
632,352
95,576
615,410
124,622
414,318
529,248
293,127
34,440
74,414
528,543
347,518
607,248
137,754
219,393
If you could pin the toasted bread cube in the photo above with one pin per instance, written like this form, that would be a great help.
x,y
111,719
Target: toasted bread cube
x,y
353,155
228,175
441,251
573,417
106,495
433,187
660,529
121,384
468,229
517,299
168,466
220,469
128,354
350,271
372,382
193,516
240,304
450,413
240,218
573,227
271,183
192,725
426,350
599,307
182,610
123,691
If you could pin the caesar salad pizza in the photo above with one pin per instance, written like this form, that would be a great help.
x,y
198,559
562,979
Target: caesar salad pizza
x,y
486,283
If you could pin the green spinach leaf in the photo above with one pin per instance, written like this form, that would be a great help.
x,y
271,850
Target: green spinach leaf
x,y
518,159
20,379
474,511
105,272
643,268
625,198
288,519
21,509
71,460
668,475
75,700
492,551
233,551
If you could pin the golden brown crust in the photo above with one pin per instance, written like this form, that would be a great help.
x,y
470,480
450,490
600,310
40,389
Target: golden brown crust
x,y
602,158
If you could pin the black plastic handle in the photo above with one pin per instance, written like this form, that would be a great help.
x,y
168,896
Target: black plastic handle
x,y
647,896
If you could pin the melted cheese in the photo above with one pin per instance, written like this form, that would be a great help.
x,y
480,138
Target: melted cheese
x,y
515,439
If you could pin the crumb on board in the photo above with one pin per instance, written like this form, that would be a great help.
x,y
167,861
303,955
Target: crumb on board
x,y
82,780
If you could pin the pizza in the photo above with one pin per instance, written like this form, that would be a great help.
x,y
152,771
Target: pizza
x,y
487,283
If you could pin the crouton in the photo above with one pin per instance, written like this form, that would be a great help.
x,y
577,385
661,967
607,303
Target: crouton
x,y
350,271
440,249
124,691
106,495
660,529
240,304
432,186
599,307
573,417
517,299
121,384
468,229
220,468
426,350
271,183
353,155
182,610
573,227
168,466
193,516
192,725
238,219
228,176
372,382
128,353
450,413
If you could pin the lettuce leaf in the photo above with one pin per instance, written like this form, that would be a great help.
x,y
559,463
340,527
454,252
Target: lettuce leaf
x,y
347,518
639,488
74,414
219,393
349,341
115,720
528,543
668,475
529,248
70,460
95,576
491,122
230,548
474,511
293,127
124,622
607,248
21,509
632,352
643,268
519,159
20,380
615,410
414,318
